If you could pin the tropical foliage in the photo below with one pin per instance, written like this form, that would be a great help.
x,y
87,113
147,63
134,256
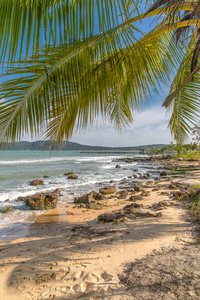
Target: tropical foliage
x,y
66,62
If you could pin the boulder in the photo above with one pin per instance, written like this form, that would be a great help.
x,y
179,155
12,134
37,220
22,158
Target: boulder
x,y
117,166
172,187
72,176
163,173
131,207
87,198
138,188
146,213
135,198
36,182
107,190
7,209
45,201
69,173
112,217
45,176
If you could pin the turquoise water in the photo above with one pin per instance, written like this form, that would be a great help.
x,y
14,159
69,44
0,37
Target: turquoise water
x,y
18,168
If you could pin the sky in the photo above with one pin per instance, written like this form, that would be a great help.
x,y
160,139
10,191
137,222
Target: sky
x,y
150,126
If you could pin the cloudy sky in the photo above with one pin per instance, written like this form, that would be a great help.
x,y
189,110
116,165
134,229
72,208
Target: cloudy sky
x,y
150,126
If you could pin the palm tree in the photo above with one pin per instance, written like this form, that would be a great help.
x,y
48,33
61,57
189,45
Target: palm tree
x,y
66,62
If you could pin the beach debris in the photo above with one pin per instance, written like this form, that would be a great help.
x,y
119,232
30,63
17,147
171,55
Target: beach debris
x,y
87,198
112,217
7,209
72,176
42,201
36,182
146,213
109,189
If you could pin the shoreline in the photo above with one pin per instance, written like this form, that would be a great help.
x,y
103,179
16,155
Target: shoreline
x,y
67,254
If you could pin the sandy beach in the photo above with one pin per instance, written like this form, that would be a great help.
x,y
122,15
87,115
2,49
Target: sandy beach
x,y
68,254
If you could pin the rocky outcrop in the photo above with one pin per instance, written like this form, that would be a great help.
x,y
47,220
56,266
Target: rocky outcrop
x,y
36,182
72,176
7,209
43,201
87,198
107,190
117,166
163,173
112,217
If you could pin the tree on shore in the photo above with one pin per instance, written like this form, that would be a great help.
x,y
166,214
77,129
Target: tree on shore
x,y
67,62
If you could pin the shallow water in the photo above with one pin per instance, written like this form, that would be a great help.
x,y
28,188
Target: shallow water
x,y
18,168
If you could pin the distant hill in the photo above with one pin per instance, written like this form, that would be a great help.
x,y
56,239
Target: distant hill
x,y
65,146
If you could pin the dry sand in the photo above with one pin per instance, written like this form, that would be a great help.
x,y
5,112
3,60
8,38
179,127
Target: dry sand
x,y
67,254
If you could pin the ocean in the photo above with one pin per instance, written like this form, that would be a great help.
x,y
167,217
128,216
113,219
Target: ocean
x,y
18,168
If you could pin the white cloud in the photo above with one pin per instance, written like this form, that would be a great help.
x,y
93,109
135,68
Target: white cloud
x,y
149,127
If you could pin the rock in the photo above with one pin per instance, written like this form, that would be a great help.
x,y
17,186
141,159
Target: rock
x,y
180,195
112,217
138,188
68,173
157,179
7,209
45,201
36,182
146,213
135,198
131,207
106,276
73,176
148,175
180,159
117,166
135,176
45,176
145,193
21,199
107,190
87,198
160,205
135,170
172,187
46,277
163,173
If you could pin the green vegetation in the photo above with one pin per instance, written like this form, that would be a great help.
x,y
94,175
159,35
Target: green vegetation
x,y
67,62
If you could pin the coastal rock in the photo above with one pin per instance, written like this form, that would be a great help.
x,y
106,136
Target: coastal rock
x,y
138,188
145,193
131,207
136,198
45,201
36,182
112,217
172,187
72,176
107,190
45,176
7,209
146,213
117,166
163,173
68,173
87,198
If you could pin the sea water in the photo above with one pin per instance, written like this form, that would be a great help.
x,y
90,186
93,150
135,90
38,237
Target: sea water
x,y
18,168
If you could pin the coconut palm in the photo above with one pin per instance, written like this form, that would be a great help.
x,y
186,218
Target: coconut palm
x,y
67,62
